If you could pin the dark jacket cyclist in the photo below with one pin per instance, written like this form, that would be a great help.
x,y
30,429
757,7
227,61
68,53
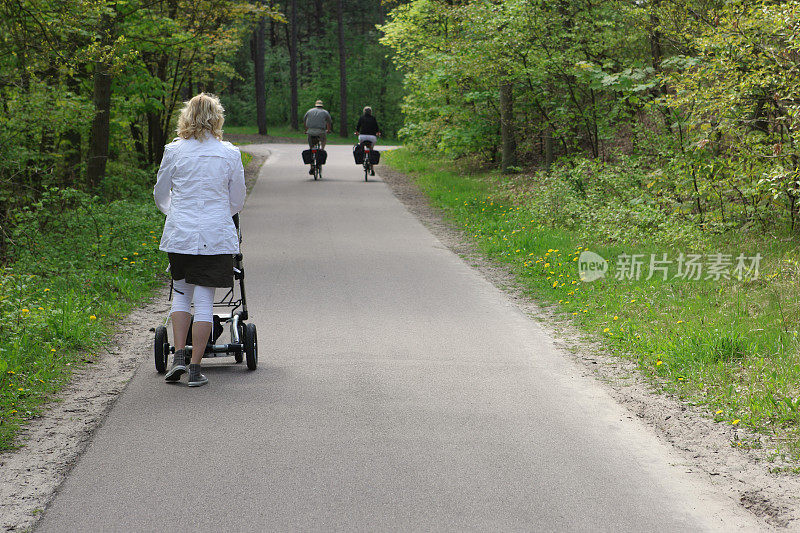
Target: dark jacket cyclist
x,y
367,128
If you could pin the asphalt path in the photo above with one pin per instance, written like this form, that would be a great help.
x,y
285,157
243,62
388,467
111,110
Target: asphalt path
x,y
397,389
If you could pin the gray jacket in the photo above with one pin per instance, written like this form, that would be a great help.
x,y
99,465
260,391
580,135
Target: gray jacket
x,y
317,121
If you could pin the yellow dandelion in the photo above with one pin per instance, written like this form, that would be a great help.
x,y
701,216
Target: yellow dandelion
x,y
659,363
135,253
616,317
679,322
735,422
606,330
92,317
718,412
25,310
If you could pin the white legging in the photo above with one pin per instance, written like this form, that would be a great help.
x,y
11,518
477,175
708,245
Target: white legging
x,y
203,300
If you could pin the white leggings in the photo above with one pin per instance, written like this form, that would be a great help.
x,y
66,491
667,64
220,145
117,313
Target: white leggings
x,y
371,138
203,300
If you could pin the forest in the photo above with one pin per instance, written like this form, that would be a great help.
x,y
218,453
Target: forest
x,y
699,96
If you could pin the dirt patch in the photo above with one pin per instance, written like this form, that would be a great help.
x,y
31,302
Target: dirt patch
x,y
51,444
737,462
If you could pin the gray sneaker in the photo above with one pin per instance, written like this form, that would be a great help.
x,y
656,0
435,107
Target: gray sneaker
x,y
195,377
178,366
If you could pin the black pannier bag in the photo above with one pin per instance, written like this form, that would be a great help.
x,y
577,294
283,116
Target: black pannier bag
x,y
374,157
358,153
322,157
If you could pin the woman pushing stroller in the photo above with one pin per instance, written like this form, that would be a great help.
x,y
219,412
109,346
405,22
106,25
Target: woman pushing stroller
x,y
200,186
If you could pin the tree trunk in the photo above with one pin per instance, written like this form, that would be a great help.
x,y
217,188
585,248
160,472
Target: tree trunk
x,y
259,36
98,139
293,120
342,72
509,141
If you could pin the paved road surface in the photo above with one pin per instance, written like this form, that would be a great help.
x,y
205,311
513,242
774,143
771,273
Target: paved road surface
x,y
397,390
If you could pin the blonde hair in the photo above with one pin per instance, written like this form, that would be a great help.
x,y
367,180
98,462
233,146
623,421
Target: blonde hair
x,y
203,113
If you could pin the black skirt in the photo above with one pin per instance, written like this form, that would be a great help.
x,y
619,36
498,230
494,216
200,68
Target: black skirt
x,y
203,270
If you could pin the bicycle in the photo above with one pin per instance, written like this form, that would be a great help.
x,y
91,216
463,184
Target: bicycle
x,y
367,160
316,167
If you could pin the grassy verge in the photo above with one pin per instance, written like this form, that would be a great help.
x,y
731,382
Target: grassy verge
x,y
285,131
729,345
80,263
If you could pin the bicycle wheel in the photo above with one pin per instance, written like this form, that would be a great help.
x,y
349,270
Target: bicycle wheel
x,y
317,172
366,169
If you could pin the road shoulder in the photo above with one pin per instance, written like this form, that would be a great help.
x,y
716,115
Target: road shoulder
x,y
754,478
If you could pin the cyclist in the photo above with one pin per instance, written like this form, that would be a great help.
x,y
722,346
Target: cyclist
x,y
318,124
368,130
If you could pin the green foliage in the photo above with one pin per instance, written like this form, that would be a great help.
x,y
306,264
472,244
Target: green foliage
x,y
701,93
156,53
569,62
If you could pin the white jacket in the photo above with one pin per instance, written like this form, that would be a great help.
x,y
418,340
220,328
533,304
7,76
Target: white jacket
x,y
200,186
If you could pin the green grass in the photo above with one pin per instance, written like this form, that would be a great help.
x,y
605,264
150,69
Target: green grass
x,y
80,264
285,131
77,271
728,345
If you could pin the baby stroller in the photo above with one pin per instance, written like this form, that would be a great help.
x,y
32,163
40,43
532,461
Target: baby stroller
x,y
244,342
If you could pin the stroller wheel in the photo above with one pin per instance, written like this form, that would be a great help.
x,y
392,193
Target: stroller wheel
x,y
251,346
161,349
